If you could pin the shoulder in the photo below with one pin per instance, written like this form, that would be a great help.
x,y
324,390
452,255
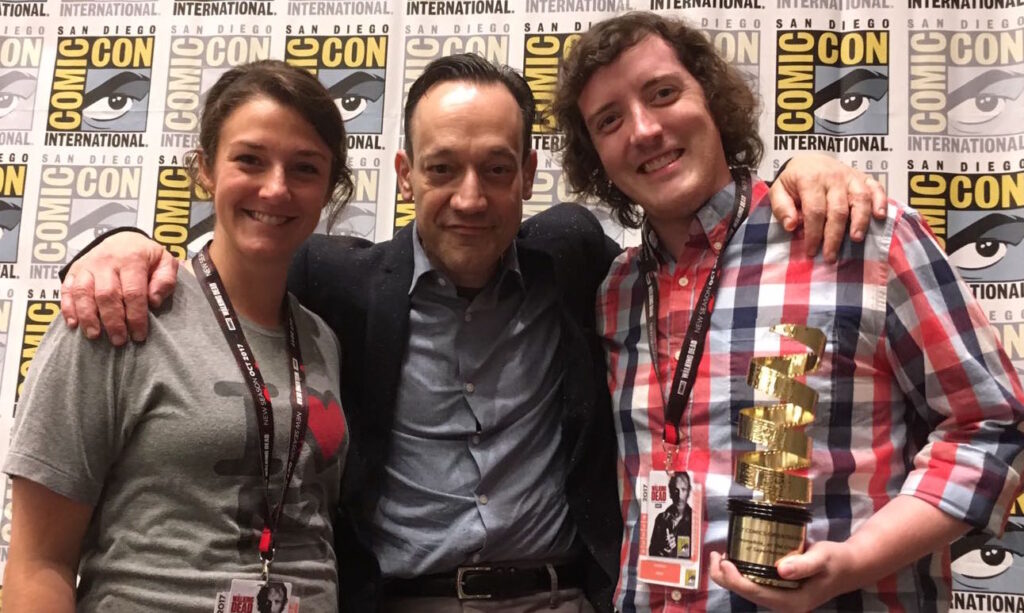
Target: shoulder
x,y
312,327
562,221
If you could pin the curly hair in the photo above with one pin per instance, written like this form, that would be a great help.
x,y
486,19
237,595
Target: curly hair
x,y
731,103
291,87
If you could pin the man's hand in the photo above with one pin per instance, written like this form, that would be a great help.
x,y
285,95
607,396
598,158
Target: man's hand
x,y
111,284
826,193
825,569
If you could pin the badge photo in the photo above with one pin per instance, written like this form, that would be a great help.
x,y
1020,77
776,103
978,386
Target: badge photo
x,y
258,597
670,520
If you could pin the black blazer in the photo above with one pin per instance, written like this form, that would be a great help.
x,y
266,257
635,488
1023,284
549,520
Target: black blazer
x,y
362,291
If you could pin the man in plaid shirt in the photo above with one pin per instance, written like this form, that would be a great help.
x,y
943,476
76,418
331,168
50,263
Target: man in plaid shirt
x,y
917,431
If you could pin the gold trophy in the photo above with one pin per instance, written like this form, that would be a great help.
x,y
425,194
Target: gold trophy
x,y
762,532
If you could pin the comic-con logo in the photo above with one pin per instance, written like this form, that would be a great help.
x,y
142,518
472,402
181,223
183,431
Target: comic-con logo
x,y
12,202
183,219
77,202
107,8
23,8
19,73
988,572
979,219
359,217
543,53
422,46
42,308
354,71
100,92
740,45
339,7
832,89
211,8
195,64
966,91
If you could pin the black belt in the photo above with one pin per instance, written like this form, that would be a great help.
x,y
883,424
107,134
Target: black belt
x,y
489,582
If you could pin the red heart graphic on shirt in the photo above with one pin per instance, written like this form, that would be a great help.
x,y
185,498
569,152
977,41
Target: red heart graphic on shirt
x,y
326,424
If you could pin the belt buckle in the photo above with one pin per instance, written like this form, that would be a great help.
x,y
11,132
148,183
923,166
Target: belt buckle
x,y
460,577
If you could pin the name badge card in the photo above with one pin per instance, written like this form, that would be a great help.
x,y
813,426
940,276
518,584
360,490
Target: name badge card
x,y
671,508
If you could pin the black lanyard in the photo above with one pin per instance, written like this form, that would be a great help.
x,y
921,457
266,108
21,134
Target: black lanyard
x,y
693,345
221,305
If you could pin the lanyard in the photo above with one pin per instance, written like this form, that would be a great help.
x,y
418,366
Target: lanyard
x,y
221,305
693,345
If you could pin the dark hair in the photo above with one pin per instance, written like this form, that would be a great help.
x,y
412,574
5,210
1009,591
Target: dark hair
x,y
292,87
732,104
474,69
263,596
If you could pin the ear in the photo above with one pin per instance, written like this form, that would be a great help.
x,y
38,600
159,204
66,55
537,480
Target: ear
x,y
529,171
403,167
205,180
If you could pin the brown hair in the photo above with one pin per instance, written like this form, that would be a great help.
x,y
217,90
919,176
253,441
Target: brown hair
x,y
730,101
292,87
472,68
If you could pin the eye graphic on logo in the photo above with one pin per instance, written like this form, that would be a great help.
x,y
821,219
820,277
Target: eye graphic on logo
x,y
978,560
978,106
113,99
17,89
985,243
104,217
10,217
849,98
354,93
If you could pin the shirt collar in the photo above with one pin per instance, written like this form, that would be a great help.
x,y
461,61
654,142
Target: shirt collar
x,y
709,225
421,265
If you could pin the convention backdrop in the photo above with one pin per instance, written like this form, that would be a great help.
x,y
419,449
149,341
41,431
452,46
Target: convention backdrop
x,y
99,100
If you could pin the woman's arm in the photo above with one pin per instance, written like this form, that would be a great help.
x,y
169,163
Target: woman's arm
x,y
46,540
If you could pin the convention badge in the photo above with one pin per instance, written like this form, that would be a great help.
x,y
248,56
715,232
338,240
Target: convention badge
x,y
671,510
248,596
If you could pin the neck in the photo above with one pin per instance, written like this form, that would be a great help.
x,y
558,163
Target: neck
x,y
256,290
673,234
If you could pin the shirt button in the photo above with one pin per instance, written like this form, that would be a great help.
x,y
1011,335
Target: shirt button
x,y
442,282
683,281
470,388
467,317
483,498
475,439
476,557
677,595
717,246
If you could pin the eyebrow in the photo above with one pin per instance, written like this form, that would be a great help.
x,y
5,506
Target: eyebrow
x,y
111,85
875,86
972,88
1011,230
13,77
261,147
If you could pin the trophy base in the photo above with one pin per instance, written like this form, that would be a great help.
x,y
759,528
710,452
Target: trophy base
x,y
761,534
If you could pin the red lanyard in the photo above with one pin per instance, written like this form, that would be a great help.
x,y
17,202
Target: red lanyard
x,y
700,321
221,305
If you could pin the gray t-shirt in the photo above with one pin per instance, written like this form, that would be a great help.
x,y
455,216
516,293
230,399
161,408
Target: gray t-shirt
x,y
161,438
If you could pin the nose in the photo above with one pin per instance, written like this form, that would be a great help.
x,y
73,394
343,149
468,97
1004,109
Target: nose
x,y
275,183
469,197
646,127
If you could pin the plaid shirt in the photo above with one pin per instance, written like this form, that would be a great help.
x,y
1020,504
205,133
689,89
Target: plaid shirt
x,y
916,395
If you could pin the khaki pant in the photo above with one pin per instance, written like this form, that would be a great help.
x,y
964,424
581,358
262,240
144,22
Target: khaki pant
x,y
564,601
